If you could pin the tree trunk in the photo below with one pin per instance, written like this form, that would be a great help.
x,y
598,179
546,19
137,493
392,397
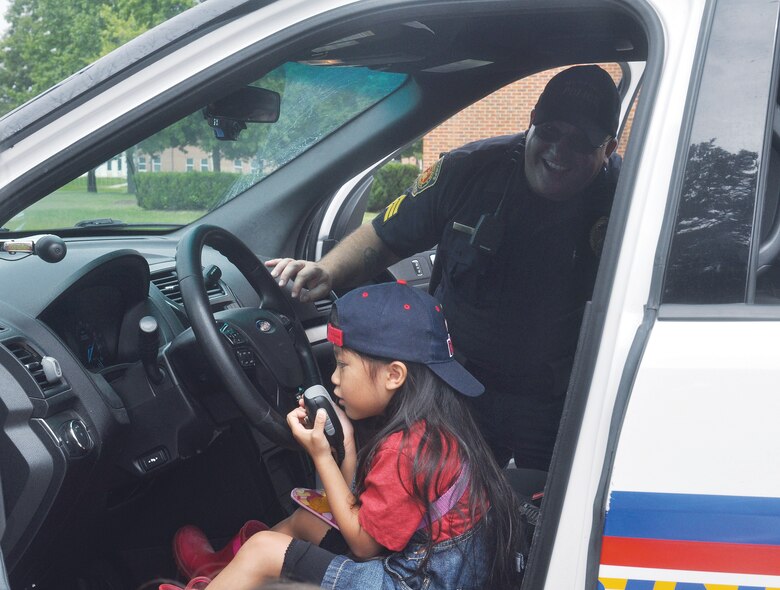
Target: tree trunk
x,y
91,181
216,159
129,156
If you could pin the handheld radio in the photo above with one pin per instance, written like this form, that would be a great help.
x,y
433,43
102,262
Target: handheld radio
x,y
316,397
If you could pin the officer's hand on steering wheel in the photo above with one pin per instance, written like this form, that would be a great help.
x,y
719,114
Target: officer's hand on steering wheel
x,y
311,280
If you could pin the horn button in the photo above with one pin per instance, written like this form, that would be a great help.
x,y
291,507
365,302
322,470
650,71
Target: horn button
x,y
262,336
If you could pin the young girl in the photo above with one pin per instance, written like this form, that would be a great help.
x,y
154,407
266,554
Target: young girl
x,y
430,507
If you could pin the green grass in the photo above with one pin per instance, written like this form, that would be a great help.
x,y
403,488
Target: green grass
x,y
65,208
104,185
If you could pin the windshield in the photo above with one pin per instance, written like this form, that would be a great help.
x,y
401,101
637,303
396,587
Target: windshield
x,y
181,172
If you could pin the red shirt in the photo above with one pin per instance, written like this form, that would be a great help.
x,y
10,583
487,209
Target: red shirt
x,y
389,513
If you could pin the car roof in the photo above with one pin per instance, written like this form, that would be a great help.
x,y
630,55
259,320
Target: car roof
x,y
485,48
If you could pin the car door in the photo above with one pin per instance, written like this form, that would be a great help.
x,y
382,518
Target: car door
x,y
689,496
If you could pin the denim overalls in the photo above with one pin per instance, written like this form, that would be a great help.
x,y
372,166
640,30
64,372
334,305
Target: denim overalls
x,y
455,564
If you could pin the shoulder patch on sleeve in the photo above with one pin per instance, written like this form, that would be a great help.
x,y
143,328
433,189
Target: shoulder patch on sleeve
x,y
428,178
392,208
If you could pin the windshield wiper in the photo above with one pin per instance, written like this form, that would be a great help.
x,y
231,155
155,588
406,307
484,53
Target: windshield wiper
x,y
101,222
107,222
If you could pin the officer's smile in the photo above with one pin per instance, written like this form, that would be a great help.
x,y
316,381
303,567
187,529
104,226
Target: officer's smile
x,y
555,167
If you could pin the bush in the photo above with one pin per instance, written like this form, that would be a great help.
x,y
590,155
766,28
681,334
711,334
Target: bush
x,y
177,191
390,181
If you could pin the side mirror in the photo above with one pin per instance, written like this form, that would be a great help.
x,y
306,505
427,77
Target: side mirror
x,y
228,116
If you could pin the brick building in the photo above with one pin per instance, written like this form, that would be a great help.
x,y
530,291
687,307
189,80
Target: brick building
x,y
506,111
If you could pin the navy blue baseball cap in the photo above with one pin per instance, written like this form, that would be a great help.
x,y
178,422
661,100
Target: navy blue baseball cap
x,y
399,322
583,96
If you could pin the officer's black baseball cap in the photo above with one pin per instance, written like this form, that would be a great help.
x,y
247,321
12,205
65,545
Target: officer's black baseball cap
x,y
399,322
583,96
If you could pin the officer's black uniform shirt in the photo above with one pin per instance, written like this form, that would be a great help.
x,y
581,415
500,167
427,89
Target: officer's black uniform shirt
x,y
519,309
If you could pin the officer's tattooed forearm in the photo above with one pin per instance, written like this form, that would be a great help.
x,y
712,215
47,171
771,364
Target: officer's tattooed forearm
x,y
371,260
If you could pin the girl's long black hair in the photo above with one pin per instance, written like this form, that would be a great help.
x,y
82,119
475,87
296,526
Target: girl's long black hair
x,y
425,401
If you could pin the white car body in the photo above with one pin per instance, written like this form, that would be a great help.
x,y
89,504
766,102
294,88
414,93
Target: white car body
x,y
679,406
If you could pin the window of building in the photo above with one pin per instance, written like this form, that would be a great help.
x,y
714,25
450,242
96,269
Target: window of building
x,y
156,164
204,164
238,165
190,165
141,163
108,165
119,164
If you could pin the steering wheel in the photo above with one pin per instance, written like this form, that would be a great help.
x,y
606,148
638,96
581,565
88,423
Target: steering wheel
x,y
239,339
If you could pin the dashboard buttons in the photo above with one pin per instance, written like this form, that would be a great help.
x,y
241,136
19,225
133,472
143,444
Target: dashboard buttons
x,y
153,460
75,437
233,335
245,357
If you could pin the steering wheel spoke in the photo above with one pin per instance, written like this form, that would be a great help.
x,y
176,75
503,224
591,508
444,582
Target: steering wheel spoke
x,y
267,343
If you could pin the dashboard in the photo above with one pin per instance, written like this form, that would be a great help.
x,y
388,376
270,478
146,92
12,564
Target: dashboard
x,y
69,437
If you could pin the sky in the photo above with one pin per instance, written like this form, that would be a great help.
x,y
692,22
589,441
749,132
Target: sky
x,y
3,8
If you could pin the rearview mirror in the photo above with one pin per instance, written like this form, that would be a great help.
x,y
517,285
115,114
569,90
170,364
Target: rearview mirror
x,y
229,115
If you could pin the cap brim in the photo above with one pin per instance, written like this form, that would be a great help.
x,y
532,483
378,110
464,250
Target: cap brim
x,y
595,134
457,377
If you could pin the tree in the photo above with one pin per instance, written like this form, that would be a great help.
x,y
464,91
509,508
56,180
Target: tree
x,y
714,224
125,20
49,40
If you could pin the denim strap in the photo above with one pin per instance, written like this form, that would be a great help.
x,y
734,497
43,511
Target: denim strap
x,y
447,500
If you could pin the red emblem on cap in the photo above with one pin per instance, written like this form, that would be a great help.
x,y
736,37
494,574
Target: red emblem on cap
x,y
336,336
450,348
407,306
401,282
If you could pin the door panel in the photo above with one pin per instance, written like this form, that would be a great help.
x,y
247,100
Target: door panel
x,y
695,492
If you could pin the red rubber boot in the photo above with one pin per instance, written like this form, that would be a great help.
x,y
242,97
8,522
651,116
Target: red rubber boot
x,y
196,557
198,583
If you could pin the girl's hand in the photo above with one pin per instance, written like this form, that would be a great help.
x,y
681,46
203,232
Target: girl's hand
x,y
347,428
313,440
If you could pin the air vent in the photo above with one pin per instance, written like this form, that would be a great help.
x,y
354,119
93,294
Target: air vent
x,y
31,361
168,283
323,306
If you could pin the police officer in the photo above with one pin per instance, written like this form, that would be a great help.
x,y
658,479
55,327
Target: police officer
x,y
519,221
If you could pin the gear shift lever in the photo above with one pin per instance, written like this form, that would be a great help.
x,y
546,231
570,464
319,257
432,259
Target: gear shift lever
x,y
148,345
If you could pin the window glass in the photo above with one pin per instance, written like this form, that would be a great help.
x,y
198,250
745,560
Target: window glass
x,y
710,253
503,112
316,100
